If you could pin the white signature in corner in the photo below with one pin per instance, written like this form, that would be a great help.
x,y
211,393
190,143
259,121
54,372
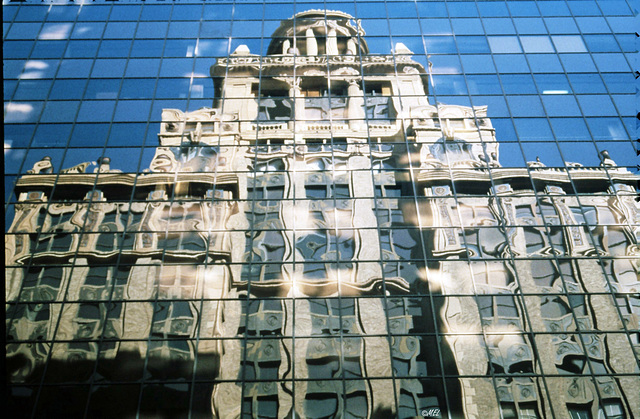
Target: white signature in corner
x,y
432,412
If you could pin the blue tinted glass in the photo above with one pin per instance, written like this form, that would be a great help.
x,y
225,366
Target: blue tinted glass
x,y
378,44
147,48
504,126
60,111
596,105
568,43
615,7
450,85
24,31
185,30
440,45
546,152
570,129
215,29
614,63
125,12
94,12
472,44
78,69
80,49
625,24
107,68
627,43
561,25
8,12
36,154
518,84
102,89
504,44
283,11
51,135
552,83
88,30
561,105
523,8
176,67
511,63
493,9
155,12
137,89
126,134
467,26
587,83
626,104
30,14
377,27
114,48
536,44
38,69
159,105
446,64
18,135
194,12
9,87
401,9
67,89
583,153
414,43
601,43
477,64
584,7
511,155
152,29
132,110
553,8
143,67
436,26
172,88
544,63
496,105
32,90
96,111
592,25
529,25
48,49
16,49
62,13
462,9
427,9
402,27
533,129
607,129
620,82
525,106
577,63
89,135
212,48
498,26
120,30
483,84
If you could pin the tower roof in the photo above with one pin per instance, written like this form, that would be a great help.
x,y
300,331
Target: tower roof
x,y
292,33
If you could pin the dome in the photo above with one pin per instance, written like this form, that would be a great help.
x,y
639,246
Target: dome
x,y
319,32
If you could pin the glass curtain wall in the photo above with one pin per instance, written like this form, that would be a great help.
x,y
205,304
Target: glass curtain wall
x,y
85,85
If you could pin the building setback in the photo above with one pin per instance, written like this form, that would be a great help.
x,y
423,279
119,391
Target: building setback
x,y
324,242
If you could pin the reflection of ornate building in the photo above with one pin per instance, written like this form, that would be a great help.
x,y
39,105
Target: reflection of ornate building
x,y
325,241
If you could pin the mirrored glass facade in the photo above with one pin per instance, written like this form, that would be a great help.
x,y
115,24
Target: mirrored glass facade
x,y
357,209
